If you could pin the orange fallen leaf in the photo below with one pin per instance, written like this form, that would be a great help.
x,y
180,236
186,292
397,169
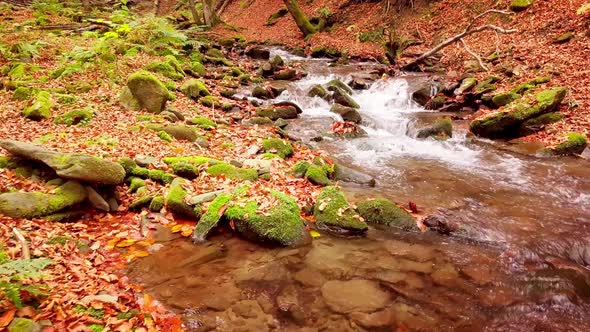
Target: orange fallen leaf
x,y
6,318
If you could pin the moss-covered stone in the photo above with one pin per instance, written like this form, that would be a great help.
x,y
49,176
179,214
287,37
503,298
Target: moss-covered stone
x,y
280,112
210,101
185,170
536,124
147,92
169,67
384,212
281,224
23,93
441,129
196,68
128,164
563,38
466,85
41,107
520,5
317,91
160,176
333,212
232,172
508,120
65,216
165,136
300,169
202,122
175,201
341,97
228,93
505,98
278,146
135,183
195,88
340,84
286,74
347,113
211,217
277,62
574,143
141,202
317,175
35,204
75,117
196,160
157,204
179,132
24,325
262,93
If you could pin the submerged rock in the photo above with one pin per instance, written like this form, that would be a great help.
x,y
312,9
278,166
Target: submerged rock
x,y
507,121
384,212
275,113
441,129
356,295
34,204
68,165
347,174
145,91
347,113
333,212
342,98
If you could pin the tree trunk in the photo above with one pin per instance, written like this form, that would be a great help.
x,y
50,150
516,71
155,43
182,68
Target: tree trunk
x,y
302,22
191,4
209,13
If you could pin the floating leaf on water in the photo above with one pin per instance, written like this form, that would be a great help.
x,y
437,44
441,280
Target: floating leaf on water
x,y
314,233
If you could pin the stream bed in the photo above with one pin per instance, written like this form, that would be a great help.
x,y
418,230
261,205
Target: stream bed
x,y
520,262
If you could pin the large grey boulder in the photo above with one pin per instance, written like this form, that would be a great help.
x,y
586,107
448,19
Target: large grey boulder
x,y
144,91
35,204
69,165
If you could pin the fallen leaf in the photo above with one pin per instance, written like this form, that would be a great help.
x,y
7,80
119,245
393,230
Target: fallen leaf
x,y
6,318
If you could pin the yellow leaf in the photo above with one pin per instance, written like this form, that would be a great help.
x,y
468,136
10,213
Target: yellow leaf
x,y
146,242
176,228
187,232
111,243
126,243
141,253
314,233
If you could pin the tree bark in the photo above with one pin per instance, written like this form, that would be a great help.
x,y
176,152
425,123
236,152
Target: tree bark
x,y
196,18
209,13
302,22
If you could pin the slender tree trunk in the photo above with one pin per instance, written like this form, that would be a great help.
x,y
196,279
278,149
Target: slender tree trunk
x,y
209,13
302,22
191,4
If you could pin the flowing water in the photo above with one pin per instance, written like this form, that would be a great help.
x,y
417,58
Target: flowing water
x,y
519,263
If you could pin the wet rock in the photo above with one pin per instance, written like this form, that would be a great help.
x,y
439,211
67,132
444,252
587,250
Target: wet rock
x,y
334,213
34,204
466,85
338,83
41,107
262,93
423,95
285,74
347,113
281,224
342,98
246,315
288,304
277,62
144,91
258,52
288,104
347,174
96,200
317,91
361,82
67,165
275,113
384,212
574,143
175,200
354,296
441,129
266,70
508,120
211,217
309,277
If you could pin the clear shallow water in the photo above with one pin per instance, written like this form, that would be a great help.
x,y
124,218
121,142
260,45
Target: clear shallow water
x,y
520,264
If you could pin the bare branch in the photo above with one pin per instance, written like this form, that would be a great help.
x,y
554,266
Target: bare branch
x,y
473,54
23,242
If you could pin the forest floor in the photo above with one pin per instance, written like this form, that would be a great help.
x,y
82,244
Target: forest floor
x,y
529,53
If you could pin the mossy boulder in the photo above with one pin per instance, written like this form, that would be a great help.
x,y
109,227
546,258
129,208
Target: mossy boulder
x,y
179,132
286,74
185,170
520,5
195,88
535,124
175,201
282,148
347,113
574,143
333,212
135,183
145,91
277,62
341,97
75,117
466,85
141,202
195,160
202,122
23,93
232,172
35,204
157,204
211,217
259,120
340,84
24,325
384,212
317,175
440,130
169,67
262,93
68,165
317,91
279,112
300,169
505,98
210,101
507,121
280,224
41,107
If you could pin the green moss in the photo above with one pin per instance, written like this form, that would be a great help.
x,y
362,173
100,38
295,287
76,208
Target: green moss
x,y
575,143
62,240
281,224
185,170
300,169
146,92
226,107
227,145
195,88
80,116
41,108
382,211
157,204
210,101
441,129
213,52
544,119
203,122
196,160
228,93
563,38
175,200
232,172
169,67
23,325
95,313
520,5
506,98
269,155
281,147
333,212
198,68
317,175
136,183
160,176
8,162
64,216
96,327
211,217
340,84
22,93
140,172
179,132
165,136
144,118
141,202
317,91
133,312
